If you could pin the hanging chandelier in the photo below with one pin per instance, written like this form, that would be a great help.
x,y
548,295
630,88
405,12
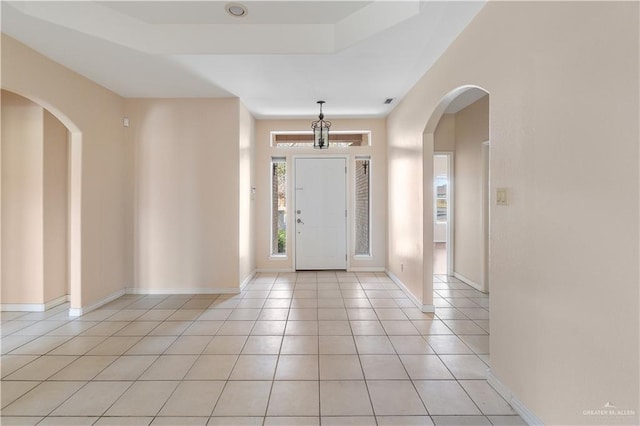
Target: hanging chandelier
x,y
321,131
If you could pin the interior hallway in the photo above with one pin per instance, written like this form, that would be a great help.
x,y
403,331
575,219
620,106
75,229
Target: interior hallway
x,y
297,348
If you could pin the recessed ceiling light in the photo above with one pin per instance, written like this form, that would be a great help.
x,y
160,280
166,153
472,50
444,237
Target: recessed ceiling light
x,y
236,9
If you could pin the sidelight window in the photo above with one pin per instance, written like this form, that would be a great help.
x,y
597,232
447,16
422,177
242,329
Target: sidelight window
x,y
363,205
278,206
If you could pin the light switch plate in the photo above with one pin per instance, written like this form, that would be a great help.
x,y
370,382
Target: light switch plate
x,y
502,197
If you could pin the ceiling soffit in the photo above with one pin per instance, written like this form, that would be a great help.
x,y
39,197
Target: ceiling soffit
x,y
279,60
289,27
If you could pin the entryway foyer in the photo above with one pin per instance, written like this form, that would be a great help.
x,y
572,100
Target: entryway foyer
x,y
293,348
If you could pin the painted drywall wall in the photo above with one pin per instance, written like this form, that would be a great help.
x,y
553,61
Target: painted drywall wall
x,y
444,137
264,153
246,253
55,211
564,282
22,200
34,203
471,130
409,224
187,174
99,179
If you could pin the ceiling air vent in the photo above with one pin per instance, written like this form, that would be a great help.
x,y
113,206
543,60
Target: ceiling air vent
x,y
388,101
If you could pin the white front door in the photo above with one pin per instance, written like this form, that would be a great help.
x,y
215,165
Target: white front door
x,y
320,213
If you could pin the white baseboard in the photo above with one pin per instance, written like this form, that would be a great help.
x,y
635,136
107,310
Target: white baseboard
x,y
57,301
34,307
275,270
367,269
527,415
22,307
428,309
354,269
248,279
468,281
406,291
167,291
76,312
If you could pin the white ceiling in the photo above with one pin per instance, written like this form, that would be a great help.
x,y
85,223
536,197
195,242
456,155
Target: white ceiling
x,y
279,59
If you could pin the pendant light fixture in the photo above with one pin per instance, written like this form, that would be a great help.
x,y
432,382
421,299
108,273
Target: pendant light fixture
x,y
321,131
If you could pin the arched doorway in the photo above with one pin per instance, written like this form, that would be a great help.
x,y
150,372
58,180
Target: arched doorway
x,y
50,200
456,200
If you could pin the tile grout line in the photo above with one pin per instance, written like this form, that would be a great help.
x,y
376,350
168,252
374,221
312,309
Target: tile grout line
x,y
458,380
317,284
275,370
364,377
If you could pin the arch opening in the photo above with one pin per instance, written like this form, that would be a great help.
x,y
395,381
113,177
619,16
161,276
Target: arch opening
x,y
41,205
456,173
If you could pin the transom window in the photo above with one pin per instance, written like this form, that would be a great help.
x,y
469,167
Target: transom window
x,y
304,139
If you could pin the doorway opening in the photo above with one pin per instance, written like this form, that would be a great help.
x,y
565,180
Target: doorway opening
x,y
39,210
460,234
442,217
458,130
486,201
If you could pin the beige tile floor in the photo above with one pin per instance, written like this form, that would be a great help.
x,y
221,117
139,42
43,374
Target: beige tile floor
x,y
308,348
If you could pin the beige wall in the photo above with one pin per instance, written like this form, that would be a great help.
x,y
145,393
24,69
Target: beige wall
x,y
196,142
471,130
34,203
55,211
564,136
100,181
22,200
187,197
407,220
444,137
246,226
264,153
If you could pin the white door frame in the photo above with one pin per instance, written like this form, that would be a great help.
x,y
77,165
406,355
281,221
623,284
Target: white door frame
x,y
486,203
348,196
450,207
